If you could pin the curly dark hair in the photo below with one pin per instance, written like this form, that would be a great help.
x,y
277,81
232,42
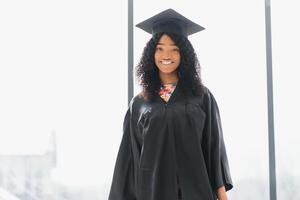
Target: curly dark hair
x,y
188,70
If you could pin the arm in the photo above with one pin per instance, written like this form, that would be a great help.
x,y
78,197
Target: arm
x,y
123,182
214,149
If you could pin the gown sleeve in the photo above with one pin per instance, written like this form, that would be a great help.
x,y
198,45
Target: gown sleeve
x,y
214,147
123,184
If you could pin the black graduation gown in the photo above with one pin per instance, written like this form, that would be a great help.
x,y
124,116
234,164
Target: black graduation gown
x,y
162,140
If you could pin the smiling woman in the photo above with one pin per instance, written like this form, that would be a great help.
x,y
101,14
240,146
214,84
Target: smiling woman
x,y
172,146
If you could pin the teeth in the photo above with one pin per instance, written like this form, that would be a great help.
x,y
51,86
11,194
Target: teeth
x,y
166,62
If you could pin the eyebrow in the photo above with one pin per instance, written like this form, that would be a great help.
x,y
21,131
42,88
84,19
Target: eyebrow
x,y
165,44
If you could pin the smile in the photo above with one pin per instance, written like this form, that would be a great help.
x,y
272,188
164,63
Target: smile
x,y
166,62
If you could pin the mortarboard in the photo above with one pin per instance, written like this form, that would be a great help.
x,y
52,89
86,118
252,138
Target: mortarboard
x,y
170,21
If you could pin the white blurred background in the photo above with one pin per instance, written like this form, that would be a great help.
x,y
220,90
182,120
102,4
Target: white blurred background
x,y
63,92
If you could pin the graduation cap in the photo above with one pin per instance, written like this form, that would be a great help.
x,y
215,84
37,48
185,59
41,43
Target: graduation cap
x,y
170,21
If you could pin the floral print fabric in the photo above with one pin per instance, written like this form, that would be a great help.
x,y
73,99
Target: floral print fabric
x,y
166,91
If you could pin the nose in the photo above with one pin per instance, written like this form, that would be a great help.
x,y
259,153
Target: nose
x,y
166,55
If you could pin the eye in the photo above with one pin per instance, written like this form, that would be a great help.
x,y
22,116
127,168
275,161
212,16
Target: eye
x,y
159,48
176,49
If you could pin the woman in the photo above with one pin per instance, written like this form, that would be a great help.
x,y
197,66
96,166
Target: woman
x,y
172,146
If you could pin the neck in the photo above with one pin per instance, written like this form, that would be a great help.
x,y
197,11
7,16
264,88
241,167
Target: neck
x,y
168,78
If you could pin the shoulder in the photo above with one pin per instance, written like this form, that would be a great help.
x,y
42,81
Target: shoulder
x,y
208,94
136,100
204,96
138,103
208,98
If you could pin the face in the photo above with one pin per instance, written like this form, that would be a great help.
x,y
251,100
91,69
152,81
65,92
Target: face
x,y
167,55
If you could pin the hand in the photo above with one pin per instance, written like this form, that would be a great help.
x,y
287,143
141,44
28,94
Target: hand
x,y
221,193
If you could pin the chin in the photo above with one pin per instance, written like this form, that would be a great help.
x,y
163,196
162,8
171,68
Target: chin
x,y
167,71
